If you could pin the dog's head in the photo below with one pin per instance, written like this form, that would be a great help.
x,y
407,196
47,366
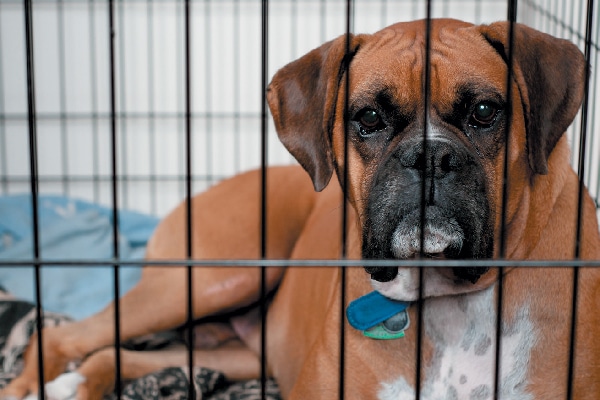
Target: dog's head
x,y
425,168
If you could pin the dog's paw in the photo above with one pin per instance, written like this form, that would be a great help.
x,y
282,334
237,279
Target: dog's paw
x,y
21,388
64,387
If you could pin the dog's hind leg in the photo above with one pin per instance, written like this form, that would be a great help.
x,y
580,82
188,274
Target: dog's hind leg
x,y
226,225
152,306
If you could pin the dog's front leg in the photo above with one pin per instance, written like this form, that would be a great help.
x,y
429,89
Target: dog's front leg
x,y
96,376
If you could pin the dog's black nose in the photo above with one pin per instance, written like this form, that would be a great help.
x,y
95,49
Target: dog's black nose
x,y
442,157
471,274
382,274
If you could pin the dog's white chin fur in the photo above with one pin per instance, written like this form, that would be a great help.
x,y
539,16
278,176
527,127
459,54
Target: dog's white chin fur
x,y
406,243
405,286
406,240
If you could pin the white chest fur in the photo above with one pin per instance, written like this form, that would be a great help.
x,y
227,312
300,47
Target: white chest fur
x,y
463,330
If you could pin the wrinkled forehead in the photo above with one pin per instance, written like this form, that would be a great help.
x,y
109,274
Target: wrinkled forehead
x,y
393,61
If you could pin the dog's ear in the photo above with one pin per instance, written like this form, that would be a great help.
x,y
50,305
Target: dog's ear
x,y
302,97
550,74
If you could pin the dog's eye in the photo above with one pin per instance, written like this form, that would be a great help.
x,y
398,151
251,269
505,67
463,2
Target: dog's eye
x,y
484,114
370,121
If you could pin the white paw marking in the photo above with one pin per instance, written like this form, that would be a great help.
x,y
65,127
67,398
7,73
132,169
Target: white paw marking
x,y
64,387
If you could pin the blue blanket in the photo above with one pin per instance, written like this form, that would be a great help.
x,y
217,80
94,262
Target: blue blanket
x,y
69,229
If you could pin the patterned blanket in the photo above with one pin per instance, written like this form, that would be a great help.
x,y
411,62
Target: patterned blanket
x,y
17,323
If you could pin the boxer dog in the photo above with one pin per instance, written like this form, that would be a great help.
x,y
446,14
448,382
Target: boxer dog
x,y
408,197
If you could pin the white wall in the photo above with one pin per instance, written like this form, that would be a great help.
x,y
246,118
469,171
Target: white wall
x,y
72,87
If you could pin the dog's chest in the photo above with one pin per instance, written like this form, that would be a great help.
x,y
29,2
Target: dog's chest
x,y
463,332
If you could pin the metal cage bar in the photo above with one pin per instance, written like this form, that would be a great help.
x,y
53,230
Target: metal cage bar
x,y
115,197
188,197
33,171
344,184
425,143
264,157
580,196
511,17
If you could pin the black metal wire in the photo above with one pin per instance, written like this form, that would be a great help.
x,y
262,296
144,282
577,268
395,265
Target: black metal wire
x,y
344,185
188,195
592,117
115,214
33,172
594,91
427,103
583,131
511,18
263,193
573,333
307,263
580,197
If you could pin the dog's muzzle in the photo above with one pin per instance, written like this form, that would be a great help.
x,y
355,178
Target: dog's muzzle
x,y
443,190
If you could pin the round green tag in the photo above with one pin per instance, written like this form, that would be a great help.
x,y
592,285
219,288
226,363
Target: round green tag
x,y
392,328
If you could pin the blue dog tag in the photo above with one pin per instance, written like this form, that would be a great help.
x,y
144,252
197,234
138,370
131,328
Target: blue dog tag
x,y
378,317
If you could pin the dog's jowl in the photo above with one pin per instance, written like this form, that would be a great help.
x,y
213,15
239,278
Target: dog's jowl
x,y
422,163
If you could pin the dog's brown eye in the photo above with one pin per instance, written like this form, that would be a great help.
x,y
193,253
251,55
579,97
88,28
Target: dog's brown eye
x,y
370,121
484,114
